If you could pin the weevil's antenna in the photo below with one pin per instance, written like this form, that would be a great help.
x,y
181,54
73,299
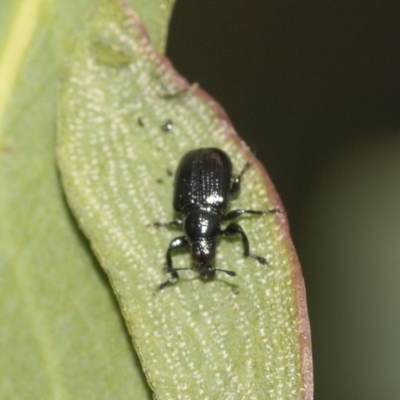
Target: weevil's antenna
x,y
231,273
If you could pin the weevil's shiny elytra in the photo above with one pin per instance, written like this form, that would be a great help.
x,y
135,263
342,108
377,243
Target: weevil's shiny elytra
x,y
203,189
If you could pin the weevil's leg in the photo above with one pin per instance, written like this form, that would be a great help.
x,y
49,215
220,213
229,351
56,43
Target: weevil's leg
x,y
236,182
177,222
237,213
235,229
176,244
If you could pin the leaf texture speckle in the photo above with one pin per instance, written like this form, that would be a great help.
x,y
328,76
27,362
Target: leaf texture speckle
x,y
226,338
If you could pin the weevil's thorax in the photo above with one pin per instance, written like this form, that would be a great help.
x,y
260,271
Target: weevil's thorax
x,y
201,224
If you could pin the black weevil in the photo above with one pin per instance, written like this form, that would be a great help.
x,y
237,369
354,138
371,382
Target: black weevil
x,y
203,188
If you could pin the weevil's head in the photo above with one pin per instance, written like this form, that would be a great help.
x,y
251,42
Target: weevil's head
x,y
206,270
203,254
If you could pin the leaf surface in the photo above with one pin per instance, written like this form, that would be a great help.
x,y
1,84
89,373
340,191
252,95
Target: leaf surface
x,y
226,338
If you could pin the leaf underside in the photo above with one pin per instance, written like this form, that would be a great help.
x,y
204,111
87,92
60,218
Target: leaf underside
x,y
61,336
226,338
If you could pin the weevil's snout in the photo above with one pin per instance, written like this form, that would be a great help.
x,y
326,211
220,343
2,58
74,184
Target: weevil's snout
x,y
206,271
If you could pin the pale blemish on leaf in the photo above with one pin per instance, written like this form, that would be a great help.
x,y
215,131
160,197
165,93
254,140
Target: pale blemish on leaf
x,y
228,338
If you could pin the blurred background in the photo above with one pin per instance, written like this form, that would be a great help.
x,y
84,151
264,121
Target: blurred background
x,y
314,88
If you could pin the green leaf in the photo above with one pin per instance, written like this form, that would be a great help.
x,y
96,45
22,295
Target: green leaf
x,y
62,335
227,338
